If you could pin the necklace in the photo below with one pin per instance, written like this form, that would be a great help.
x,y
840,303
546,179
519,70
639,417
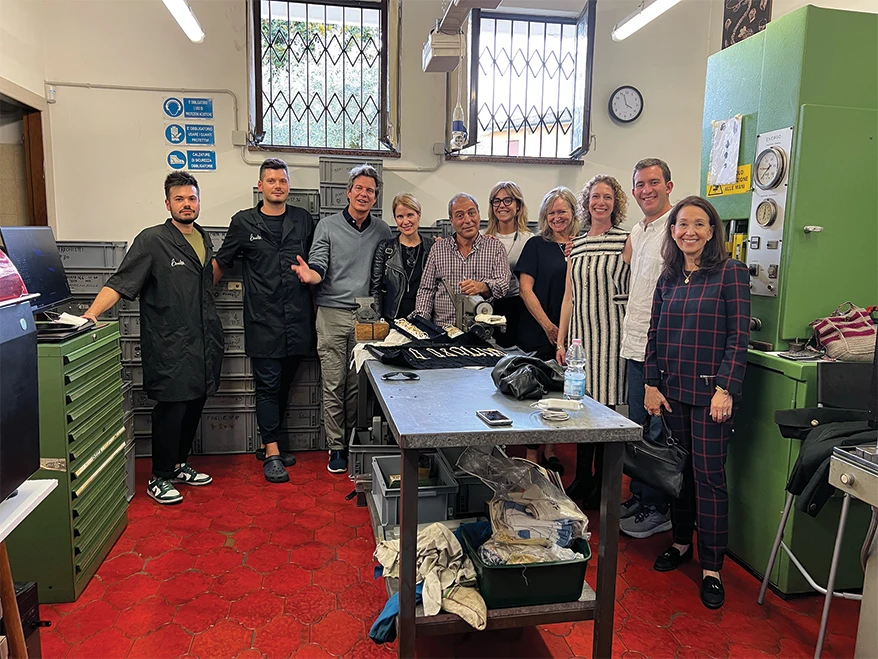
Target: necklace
x,y
411,255
687,274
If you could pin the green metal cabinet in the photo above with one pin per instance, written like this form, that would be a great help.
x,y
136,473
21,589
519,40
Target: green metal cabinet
x,y
759,462
82,446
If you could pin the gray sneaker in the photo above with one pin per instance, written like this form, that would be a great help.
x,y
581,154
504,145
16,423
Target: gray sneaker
x,y
645,522
629,508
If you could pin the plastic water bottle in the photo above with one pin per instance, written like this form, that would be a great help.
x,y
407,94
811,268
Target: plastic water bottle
x,y
574,374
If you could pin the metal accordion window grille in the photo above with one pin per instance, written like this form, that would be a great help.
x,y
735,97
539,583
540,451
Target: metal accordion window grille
x,y
525,87
321,74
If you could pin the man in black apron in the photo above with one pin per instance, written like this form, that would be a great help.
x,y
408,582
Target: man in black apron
x,y
181,339
278,308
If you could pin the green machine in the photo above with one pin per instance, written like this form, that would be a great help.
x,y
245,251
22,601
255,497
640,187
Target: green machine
x,y
807,91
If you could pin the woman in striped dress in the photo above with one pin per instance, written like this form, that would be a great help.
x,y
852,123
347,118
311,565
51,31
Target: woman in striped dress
x,y
593,309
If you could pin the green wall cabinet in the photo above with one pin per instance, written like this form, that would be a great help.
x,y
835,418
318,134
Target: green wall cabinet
x,y
82,446
759,462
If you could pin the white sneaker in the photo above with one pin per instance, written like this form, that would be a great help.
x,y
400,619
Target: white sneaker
x,y
163,491
188,476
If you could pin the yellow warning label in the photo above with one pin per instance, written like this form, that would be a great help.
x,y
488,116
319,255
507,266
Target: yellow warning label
x,y
740,186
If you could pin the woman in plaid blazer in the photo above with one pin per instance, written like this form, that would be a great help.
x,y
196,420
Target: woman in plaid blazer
x,y
696,355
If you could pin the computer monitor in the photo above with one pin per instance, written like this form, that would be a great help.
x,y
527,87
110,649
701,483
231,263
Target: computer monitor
x,y
35,255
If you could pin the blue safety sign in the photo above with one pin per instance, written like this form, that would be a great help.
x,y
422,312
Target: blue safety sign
x,y
172,107
202,160
175,134
199,134
198,108
177,160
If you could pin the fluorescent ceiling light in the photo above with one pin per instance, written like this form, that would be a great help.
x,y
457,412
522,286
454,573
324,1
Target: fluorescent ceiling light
x,y
182,13
639,18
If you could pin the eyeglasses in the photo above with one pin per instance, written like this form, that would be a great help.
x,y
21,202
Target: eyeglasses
x,y
506,201
471,213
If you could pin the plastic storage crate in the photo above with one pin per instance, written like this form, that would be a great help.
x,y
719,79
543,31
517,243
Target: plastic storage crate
x,y
472,494
142,446
129,469
229,385
302,418
226,433
236,366
300,440
129,305
338,170
142,423
530,584
141,400
361,450
229,290
130,349
133,373
88,282
80,304
231,402
305,395
127,398
309,372
435,503
129,325
231,316
234,342
87,255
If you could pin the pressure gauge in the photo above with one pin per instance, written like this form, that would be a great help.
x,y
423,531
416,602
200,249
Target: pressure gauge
x,y
771,165
766,213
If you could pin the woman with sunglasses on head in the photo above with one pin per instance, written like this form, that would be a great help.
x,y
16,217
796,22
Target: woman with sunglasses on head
x,y
507,222
399,262
696,355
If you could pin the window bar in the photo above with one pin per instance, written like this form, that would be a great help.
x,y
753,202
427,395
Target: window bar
x,y
306,58
344,84
362,64
494,124
560,76
289,80
541,109
511,71
326,95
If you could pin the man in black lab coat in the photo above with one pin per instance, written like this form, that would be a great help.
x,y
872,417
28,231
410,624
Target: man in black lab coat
x,y
181,339
278,308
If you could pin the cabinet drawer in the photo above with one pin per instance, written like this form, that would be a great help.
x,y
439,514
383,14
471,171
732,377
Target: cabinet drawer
x,y
88,525
88,475
86,553
100,346
100,379
85,372
100,401
110,417
92,497
82,451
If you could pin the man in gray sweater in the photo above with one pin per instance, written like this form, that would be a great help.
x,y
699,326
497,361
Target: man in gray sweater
x,y
339,263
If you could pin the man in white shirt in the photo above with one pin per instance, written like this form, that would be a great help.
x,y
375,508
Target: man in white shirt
x,y
647,511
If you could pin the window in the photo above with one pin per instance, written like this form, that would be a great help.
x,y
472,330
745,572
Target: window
x,y
322,75
530,86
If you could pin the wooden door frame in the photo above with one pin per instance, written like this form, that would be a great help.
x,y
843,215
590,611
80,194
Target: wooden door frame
x,y
33,114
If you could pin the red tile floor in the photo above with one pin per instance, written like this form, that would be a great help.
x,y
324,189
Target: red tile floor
x,y
246,569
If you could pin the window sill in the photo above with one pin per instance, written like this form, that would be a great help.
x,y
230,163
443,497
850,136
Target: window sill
x,y
354,153
508,160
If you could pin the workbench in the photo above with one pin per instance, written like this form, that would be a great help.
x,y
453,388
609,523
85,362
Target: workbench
x,y
439,411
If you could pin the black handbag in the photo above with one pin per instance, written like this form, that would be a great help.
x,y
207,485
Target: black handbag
x,y
660,465
523,377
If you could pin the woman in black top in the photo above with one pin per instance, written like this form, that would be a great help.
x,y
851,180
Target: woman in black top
x,y
542,273
399,262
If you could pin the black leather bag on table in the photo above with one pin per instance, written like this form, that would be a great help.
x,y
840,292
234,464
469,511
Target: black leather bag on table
x,y
660,465
523,377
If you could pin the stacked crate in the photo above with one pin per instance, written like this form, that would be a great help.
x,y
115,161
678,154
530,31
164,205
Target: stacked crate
x,y
334,173
88,265
445,229
307,199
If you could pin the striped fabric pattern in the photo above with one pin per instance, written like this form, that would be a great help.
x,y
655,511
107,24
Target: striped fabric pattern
x,y
599,274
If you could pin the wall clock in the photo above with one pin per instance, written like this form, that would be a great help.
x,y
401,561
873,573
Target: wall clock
x,y
626,104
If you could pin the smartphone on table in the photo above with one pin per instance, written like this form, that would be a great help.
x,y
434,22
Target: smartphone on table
x,y
494,417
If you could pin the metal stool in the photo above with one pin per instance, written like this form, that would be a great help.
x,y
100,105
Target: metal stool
x,y
837,387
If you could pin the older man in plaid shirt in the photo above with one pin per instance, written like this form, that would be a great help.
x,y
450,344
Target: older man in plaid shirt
x,y
468,261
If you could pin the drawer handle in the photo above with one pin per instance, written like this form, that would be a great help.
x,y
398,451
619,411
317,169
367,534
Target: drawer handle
x,y
846,479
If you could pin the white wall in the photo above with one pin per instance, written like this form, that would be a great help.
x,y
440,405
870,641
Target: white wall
x,y
109,152
22,51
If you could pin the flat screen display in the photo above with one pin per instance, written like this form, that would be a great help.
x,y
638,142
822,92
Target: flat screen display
x,y
35,255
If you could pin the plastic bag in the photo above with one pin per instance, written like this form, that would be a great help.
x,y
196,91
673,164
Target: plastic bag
x,y
527,377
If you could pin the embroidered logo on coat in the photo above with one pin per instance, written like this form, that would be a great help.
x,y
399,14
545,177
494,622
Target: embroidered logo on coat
x,y
255,236
176,263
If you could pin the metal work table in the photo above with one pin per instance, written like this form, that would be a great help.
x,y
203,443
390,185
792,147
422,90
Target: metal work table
x,y
438,411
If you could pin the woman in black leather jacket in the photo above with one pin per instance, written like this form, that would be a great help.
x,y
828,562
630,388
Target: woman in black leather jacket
x,y
399,262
